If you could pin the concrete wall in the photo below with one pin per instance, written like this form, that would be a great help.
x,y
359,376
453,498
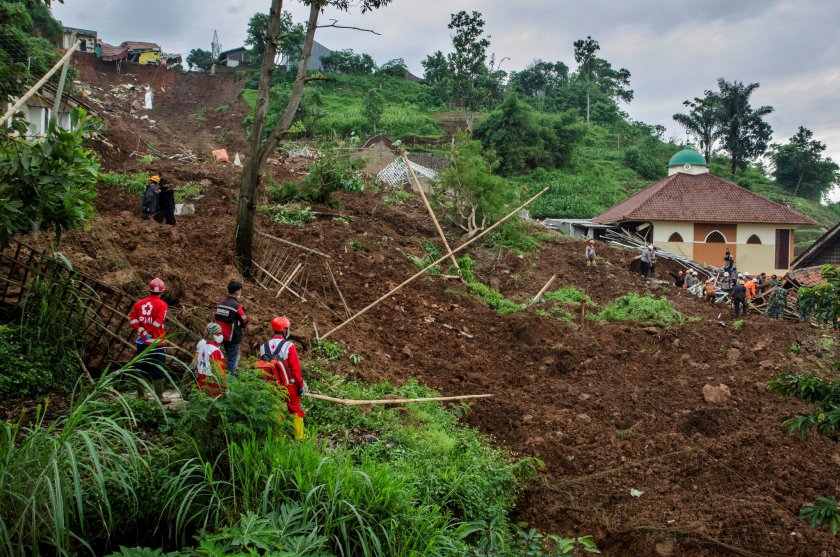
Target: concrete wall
x,y
751,258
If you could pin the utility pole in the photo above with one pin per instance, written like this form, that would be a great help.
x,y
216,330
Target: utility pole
x,y
61,80
215,51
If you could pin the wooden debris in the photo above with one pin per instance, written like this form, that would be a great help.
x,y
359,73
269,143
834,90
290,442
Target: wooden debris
x,y
350,402
451,328
536,298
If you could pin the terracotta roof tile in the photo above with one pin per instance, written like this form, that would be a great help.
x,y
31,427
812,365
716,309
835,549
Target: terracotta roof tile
x,y
701,198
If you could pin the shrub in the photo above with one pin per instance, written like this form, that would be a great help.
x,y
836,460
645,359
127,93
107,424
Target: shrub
x,y
29,372
644,309
330,351
825,511
334,172
130,183
493,298
291,213
568,295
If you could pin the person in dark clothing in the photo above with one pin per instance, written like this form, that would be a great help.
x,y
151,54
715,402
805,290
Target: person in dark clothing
x,y
679,278
739,298
166,204
149,201
231,316
730,262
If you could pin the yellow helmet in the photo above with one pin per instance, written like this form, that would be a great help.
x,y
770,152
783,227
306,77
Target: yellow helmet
x,y
155,179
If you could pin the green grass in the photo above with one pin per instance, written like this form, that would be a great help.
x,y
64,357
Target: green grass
x,y
296,214
489,296
190,190
130,183
643,309
568,295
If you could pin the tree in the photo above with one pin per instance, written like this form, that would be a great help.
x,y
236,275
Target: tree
x,y
25,55
201,59
394,68
702,120
438,76
599,74
262,142
291,36
800,167
525,140
468,61
540,78
741,128
348,62
372,109
49,184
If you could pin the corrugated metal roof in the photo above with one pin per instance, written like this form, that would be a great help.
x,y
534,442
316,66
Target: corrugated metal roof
x,y
701,198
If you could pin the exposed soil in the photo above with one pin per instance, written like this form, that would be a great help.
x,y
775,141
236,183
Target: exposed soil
x,y
608,407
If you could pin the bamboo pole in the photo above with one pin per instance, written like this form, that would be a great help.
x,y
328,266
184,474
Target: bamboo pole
x,y
278,281
429,208
21,101
423,271
350,402
294,245
544,288
290,278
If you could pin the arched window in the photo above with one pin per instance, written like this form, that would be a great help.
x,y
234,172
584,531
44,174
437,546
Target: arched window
x,y
753,239
715,237
675,237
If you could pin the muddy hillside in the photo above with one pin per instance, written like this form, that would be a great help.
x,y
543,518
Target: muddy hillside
x,y
634,453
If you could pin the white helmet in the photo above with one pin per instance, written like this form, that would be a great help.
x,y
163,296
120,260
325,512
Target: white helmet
x,y
650,246
726,273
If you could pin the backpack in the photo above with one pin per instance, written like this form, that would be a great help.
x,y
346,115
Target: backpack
x,y
273,368
149,200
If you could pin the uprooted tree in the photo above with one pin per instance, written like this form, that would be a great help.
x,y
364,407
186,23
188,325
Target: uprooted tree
x,y
263,142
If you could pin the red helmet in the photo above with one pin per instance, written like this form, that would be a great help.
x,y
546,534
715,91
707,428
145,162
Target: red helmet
x,y
156,286
280,324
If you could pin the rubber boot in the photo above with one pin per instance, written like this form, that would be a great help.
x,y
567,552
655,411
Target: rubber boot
x,y
159,389
297,421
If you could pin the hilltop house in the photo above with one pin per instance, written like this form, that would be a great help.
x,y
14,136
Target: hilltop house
x,y
698,215
86,37
315,65
131,51
234,57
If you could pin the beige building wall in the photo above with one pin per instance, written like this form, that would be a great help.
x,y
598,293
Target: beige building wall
x,y
750,258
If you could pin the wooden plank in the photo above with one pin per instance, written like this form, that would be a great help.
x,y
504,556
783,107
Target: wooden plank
x,y
350,402
288,243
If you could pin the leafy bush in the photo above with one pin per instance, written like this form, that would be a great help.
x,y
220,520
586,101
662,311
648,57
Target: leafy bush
x,y
644,309
641,161
568,295
493,298
824,511
291,213
395,198
335,172
559,313
29,372
190,190
330,351
823,394
130,183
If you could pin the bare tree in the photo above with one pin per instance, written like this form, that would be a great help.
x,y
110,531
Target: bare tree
x,y
260,144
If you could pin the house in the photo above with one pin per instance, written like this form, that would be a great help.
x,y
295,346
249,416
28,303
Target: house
x,y
825,251
131,51
39,109
86,37
699,215
235,57
315,65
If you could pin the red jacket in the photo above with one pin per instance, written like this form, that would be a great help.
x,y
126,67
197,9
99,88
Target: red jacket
x,y
148,316
231,317
288,355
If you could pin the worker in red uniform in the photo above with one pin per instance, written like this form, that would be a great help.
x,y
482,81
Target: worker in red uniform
x,y
148,318
283,354
210,362
231,317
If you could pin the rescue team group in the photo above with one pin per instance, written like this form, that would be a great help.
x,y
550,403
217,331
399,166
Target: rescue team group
x,y
737,288
278,355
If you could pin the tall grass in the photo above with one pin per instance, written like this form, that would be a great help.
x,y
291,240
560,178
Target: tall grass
x,y
57,477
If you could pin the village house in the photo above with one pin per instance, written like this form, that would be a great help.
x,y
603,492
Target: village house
x,y
130,51
39,109
86,37
234,57
699,215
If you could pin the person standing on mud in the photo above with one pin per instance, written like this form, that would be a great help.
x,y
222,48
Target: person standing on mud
x,y
231,317
149,201
590,254
281,353
166,204
148,317
739,299
645,261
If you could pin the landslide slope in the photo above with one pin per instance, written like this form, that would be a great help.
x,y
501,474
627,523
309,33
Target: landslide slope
x,y
608,407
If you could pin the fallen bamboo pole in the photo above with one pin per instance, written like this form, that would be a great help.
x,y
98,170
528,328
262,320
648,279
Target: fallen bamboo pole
x,y
291,277
423,271
294,245
429,208
350,402
278,281
544,288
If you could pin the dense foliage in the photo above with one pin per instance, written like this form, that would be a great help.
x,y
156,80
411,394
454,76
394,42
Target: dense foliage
x,y
799,166
48,183
644,309
27,30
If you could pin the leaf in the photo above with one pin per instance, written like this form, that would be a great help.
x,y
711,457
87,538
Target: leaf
x,y
635,492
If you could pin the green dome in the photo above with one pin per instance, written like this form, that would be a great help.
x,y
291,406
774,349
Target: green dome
x,y
687,156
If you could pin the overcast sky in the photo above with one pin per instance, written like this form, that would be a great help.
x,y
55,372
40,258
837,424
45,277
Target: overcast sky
x,y
674,49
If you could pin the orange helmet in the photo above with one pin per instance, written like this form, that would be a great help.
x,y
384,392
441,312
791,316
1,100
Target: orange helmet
x,y
280,324
155,179
156,286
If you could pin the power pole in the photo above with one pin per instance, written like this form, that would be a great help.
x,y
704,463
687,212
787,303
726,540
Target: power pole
x,y
215,51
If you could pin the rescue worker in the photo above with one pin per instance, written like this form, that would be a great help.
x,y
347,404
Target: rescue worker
x,y
730,262
750,284
709,290
166,204
231,317
148,317
149,201
645,261
652,260
679,279
776,303
739,299
726,283
284,354
210,362
590,254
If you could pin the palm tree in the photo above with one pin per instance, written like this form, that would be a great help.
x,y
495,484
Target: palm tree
x,y
701,121
741,128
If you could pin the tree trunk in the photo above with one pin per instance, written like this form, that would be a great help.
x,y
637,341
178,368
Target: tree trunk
x,y
799,181
297,91
587,104
247,204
